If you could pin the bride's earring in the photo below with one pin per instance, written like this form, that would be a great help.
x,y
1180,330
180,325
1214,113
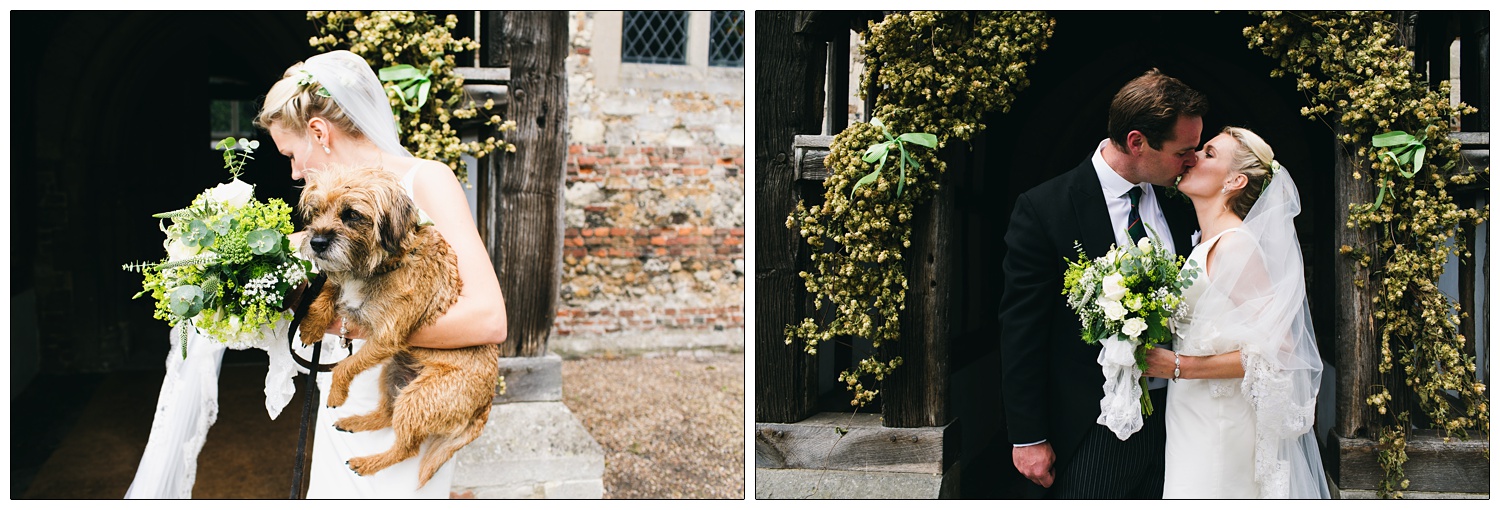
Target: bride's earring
x,y
326,150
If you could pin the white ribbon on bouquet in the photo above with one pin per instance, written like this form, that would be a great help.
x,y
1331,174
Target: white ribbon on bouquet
x,y
1120,409
189,404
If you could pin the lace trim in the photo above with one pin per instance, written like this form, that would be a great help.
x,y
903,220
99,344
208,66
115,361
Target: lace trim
x,y
1277,418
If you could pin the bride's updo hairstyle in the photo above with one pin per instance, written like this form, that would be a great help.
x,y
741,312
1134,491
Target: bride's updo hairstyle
x,y
295,99
1253,159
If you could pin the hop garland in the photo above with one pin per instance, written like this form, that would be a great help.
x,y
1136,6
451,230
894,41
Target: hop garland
x,y
1355,74
935,72
391,38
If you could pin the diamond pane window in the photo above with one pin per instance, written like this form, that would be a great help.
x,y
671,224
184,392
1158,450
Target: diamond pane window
x,y
726,47
654,37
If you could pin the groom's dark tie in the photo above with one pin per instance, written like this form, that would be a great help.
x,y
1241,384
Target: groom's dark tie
x,y
1136,229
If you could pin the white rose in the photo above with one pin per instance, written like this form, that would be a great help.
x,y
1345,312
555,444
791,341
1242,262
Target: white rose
x,y
234,193
1144,245
1113,291
1133,327
1113,310
177,250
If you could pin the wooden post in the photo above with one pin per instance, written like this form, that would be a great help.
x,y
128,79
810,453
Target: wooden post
x,y
522,200
1356,347
916,394
788,88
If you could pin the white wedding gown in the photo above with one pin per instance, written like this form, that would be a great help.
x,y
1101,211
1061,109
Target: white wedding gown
x,y
1210,423
1248,437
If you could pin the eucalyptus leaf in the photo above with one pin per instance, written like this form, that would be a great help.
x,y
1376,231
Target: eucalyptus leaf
x,y
221,224
186,301
198,235
263,241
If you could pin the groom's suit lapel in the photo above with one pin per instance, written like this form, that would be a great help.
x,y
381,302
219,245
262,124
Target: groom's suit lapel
x,y
1094,225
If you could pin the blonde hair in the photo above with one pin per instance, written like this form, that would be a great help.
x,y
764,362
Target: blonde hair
x,y
294,100
1253,159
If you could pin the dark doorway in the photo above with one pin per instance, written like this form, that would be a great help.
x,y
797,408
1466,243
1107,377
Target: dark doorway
x,y
1052,127
110,124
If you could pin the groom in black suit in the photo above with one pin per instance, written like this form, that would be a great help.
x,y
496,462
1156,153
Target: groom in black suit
x,y
1051,380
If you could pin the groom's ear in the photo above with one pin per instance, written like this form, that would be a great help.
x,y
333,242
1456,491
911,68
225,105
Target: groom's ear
x,y
1135,143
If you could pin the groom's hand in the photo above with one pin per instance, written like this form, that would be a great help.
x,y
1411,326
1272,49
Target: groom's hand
x,y
1035,462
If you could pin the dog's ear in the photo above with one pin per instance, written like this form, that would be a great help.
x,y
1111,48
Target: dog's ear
x,y
307,199
399,223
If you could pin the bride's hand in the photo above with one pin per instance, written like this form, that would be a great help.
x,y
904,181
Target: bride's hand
x,y
1160,362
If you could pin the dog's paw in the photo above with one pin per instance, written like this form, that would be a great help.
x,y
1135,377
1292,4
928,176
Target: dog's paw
x,y
359,465
341,429
335,399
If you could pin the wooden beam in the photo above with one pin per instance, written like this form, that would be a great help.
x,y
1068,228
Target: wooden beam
x,y
815,443
788,88
809,153
521,204
1356,348
1432,465
916,394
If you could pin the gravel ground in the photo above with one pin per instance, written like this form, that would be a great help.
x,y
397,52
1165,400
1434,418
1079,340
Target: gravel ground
x,y
672,426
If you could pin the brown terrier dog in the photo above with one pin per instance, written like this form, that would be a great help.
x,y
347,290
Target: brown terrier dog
x,y
391,276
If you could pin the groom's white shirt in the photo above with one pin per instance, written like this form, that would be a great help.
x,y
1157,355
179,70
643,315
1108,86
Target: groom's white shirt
x,y
1116,197
1117,200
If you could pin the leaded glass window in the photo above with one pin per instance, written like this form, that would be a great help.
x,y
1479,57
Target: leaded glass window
x,y
726,47
654,37
231,117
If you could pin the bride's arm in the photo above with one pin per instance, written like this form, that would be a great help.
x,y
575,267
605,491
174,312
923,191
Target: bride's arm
x,y
478,317
1249,283
1161,361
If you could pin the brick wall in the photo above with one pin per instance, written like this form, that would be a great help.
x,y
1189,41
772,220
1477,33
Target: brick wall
x,y
655,239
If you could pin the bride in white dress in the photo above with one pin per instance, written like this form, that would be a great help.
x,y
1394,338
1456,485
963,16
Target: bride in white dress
x,y
1246,371
331,109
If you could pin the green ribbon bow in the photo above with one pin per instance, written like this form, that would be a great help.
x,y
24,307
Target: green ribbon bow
x,y
1405,151
409,83
879,150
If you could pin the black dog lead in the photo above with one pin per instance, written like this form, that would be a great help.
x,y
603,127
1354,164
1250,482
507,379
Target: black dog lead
x,y
310,394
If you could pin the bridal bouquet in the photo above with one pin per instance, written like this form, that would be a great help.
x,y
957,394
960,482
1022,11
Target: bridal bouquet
x,y
229,263
1125,300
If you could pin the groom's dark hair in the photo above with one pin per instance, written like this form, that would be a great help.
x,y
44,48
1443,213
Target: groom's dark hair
x,y
1151,104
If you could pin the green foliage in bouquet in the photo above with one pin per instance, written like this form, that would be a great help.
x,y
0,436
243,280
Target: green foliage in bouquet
x,y
414,54
229,261
1132,291
1358,76
935,73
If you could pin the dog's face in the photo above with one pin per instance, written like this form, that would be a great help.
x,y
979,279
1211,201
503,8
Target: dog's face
x,y
355,217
